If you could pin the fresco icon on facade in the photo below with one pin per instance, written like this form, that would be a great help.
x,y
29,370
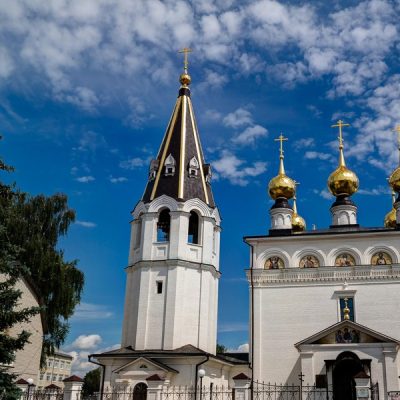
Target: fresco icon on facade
x,y
309,261
345,260
347,336
381,258
274,262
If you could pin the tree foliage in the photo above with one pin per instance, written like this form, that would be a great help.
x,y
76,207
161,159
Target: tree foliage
x,y
91,382
221,348
11,269
30,228
40,222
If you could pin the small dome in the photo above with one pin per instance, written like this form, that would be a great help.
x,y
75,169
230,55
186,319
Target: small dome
x,y
394,180
390,219
298,223
185,79
281,186
343,181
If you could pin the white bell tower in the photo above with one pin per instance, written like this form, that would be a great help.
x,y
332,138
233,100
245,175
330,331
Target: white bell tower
x,y
172,278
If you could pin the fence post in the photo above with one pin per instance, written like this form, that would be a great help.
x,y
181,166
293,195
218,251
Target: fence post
x,y
241,386
72,388
154,387
363,382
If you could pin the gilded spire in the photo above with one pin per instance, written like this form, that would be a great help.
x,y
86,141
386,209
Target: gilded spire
x,y
185,78
342,181
340,124
394,179
346,310
281,186
298,223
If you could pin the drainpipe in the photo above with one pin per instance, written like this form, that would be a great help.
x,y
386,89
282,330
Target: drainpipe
x,y
196,375
102,374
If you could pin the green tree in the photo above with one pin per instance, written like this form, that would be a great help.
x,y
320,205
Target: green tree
x,y
11,269
221,348
40,222
91,382
30,228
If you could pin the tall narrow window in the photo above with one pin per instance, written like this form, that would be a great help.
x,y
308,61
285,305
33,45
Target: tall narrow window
x,y
159,286
193,232
163,226
138,232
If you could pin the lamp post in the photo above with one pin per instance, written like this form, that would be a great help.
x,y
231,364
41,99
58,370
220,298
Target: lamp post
x,y
201,375
30,385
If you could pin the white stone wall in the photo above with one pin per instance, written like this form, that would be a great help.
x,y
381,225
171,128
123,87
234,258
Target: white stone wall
x,y
217,372
189,276
292,304
27,361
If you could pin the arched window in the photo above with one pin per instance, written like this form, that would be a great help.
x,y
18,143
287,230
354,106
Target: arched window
x,y
163,226
193,231
139,392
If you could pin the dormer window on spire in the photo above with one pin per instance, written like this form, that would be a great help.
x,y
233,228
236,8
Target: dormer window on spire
x,y
153,169
193,167
169,166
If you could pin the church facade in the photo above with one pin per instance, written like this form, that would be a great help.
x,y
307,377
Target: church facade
x,y
323,303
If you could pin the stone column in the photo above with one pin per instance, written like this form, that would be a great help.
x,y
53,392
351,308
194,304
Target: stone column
x,y
391,370
363,383
72,388
241,387
154,387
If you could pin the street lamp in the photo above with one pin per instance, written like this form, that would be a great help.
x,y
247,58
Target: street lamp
x,y
201,374
30,385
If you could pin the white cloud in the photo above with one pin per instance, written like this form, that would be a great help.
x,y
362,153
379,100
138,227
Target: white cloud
x,y
86,224
91,141
230,167
89,311
80,363
135,162
242,348
238,118
87,342
303,143
324,193
312,155
118,179
250,134
233,327
85,179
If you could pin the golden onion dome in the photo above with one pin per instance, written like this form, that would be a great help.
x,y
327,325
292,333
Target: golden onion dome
x,y
390,217
185,79
343,181
394,180
298,222
281,186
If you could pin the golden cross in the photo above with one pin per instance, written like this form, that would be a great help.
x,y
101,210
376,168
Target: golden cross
x,y
340,124
281,139
185,52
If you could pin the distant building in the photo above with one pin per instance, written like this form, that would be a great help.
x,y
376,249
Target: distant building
x,y
27,361
58,368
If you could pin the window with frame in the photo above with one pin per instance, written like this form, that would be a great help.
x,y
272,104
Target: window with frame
x,y
163,226
193,230
350,305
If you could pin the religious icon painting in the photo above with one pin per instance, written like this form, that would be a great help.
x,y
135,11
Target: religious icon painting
x,y
309,261
274,262
345,260
381,258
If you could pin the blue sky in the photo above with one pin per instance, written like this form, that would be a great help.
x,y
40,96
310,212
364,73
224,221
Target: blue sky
x,y
87,88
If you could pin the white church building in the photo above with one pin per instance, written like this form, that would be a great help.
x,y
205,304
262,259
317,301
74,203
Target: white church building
x,y
324,304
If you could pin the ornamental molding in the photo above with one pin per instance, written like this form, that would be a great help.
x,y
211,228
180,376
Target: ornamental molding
x,y
322,275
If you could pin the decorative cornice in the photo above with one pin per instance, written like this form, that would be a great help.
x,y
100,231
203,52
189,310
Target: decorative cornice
x,y
300,276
